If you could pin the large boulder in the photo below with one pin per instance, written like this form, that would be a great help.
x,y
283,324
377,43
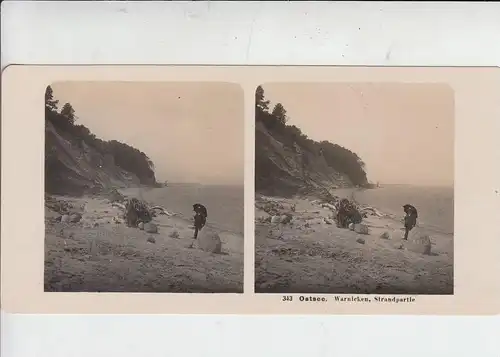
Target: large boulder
x,y
209,241
361,228
419,242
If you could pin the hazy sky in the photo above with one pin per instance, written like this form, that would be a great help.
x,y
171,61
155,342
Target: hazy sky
x,y
403,132
193,132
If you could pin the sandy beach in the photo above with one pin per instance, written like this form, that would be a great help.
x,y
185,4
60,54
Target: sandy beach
x,y
310,254
99,253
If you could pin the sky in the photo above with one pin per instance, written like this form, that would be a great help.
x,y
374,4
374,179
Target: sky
x,y
193,132
403,132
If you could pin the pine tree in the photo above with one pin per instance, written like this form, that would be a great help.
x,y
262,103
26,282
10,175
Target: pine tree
x,y
50,102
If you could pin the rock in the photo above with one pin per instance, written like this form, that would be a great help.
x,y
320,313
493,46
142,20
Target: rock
x,y
361,228
360,240
316,221
151,239
150,227
65,218
351,226
174,234
209,241
329,206
75,218
385,235
327,221
286,218
419,242
275,219
141,226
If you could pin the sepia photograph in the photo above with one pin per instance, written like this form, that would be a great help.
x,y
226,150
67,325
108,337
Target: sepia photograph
x,y
354,188
144,187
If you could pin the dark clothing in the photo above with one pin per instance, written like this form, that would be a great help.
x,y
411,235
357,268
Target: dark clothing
x,y
410,219
407,231
200,218
201,209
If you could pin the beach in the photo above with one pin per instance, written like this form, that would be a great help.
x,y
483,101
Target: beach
x,y
435,204
310,254
99,253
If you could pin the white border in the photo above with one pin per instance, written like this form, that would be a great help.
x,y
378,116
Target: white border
x,y
438,34
240,32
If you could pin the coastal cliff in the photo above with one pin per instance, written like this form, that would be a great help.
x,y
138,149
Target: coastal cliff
x,y
288,163
78,163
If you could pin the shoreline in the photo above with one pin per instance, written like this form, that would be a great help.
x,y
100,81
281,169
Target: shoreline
x,y
99,253
310,254
182,209
391,215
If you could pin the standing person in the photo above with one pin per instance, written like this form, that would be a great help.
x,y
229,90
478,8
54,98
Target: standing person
x,y
200,218
410,219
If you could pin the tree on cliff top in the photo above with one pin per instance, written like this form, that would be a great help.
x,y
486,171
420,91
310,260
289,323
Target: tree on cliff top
x,y
279,112
50,102
337,157
125,156
68,112
260,101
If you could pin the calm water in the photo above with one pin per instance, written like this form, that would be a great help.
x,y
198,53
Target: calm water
x,y
225,204
435,205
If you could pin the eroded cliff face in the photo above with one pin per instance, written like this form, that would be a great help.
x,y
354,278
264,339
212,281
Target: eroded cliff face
x,y
284,171
75,168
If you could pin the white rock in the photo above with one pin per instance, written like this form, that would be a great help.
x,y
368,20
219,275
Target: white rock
x,y
361,228
275,219
419,242
209,241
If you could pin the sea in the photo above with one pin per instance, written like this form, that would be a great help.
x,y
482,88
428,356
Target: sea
x,y
435,205
225,204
